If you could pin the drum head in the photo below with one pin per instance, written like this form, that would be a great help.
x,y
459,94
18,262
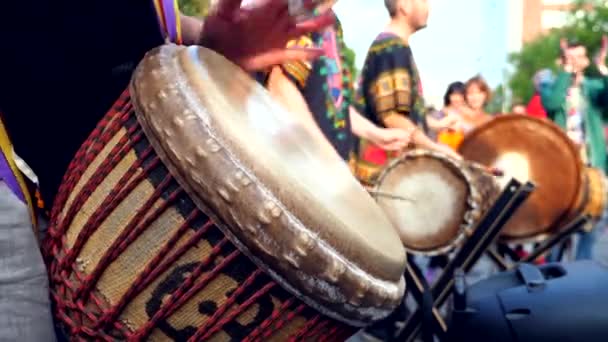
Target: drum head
x,y
425,195
284,196
530,149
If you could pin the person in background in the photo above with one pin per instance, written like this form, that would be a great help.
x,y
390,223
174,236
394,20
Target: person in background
x,y
63,64
390,94
579,105
535,107
320,93
477,96
445,125
518,109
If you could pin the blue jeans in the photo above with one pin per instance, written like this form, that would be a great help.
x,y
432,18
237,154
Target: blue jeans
x,y
586,242
25,310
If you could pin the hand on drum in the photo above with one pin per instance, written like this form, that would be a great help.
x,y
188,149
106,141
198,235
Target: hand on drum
x,y
256,37
391,139
446,150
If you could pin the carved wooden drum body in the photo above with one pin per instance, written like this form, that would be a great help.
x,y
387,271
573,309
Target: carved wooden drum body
x,y
530,149
433,200
200,210
593,197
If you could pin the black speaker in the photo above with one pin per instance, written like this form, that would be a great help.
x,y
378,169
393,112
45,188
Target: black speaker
x,y
554,302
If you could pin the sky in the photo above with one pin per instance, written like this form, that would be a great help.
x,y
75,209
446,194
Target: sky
x,y
463,38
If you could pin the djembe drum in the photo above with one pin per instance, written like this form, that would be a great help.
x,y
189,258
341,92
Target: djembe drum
x,y
530,149
198,209
433,200
592,199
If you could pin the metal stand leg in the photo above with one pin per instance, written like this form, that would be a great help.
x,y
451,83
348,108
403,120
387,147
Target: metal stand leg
x,y
485,233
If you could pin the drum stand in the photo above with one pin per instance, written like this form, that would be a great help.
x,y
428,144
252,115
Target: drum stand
x,y
426,318
556,239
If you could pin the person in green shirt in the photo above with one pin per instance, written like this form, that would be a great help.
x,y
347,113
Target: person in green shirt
x,y
579,104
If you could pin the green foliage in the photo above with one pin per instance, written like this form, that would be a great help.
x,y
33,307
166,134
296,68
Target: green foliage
x,y
195,8
586,23
497,102
349,59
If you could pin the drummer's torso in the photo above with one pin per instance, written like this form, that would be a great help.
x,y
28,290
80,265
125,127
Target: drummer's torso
x,y
327,88
389,83
390,80
62,68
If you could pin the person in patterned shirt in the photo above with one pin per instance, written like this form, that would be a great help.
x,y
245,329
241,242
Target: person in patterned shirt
x,y
321,93
390,92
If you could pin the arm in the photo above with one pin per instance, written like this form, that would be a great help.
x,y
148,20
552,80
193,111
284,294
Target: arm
x,y
229,23
553,95
397,120
437,124
388,139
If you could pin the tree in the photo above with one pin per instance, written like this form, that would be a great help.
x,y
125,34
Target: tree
x,y
196,8
349,59
586,23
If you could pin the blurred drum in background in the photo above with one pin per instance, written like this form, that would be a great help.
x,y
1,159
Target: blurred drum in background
x,y
530,149
434,200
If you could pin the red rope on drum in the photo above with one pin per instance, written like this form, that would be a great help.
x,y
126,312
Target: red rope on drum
x,y
331,334
188,289
275,314
203,330
129,234
122,189
101,136
67,182
156,267
115,156
76,170
233,314
281,321
317,330
305,329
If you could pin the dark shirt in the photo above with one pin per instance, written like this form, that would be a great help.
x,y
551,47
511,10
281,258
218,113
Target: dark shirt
x,y
389,85
62,65
326,86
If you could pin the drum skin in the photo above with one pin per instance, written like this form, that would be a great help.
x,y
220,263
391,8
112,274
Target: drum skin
x,y
434,200
530,149
167,228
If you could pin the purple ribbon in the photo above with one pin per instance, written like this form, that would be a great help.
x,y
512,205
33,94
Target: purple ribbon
x,y
168,7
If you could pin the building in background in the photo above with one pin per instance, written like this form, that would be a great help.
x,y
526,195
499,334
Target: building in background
x,y
539,16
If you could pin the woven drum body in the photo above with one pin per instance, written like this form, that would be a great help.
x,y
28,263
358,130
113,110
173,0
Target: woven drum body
x,y
594,197
530,149
434,201
134,254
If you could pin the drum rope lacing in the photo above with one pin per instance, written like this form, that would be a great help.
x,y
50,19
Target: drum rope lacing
x,y
84,299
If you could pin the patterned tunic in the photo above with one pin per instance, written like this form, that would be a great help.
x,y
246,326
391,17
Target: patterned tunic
x,y
389,85
326,86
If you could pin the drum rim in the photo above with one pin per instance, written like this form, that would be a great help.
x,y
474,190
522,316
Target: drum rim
x,y
568,213
352,277
471,214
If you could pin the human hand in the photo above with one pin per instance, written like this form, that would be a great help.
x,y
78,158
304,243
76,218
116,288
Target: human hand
x,y
256,37
567,55
391,139
600,60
